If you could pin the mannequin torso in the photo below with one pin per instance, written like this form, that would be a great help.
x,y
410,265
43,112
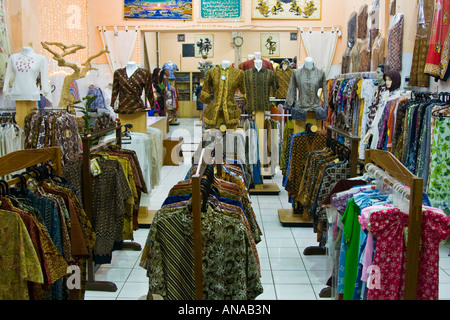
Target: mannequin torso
x,y
258,65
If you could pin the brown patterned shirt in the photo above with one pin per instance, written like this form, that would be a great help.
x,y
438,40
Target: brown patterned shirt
x,y
129,90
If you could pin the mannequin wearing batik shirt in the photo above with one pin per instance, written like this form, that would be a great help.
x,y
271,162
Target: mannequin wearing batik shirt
x,y
171,68
306,82
259,84
128,86
223,81
24,68
251,63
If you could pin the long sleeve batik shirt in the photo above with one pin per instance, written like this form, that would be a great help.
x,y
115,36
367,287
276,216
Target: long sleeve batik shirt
x,y
129,90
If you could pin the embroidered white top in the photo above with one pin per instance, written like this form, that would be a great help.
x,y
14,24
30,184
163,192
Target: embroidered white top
x,y
24,68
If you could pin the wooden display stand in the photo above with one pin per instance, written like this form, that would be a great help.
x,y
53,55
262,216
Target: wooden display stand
x,y
23,109
287,216
173,153
138,120
265,188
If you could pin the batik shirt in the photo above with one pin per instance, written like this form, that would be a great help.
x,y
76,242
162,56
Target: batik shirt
x,y
284,78
168,257
224,83
258,86
171,68
129,90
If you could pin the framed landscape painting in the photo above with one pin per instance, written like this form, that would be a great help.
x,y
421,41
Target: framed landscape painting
x,y
148,9
287,9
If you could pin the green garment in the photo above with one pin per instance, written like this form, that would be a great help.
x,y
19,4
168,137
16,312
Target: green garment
x,y
352,230
259,85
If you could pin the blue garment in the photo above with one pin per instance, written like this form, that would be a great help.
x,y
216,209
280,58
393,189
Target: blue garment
x,y
257,176
184,197
171,68
288,158
99,102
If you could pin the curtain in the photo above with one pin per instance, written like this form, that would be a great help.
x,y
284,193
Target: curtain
x,y
321,46
121,45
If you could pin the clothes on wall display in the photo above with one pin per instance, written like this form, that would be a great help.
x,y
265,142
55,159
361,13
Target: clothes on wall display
x,y
228,230
395,42
4,43
439,47
418,77
25,67
302,94
99,102
224,83
129,90
259,87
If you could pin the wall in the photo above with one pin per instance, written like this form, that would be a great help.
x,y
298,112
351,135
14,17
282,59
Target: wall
x,y
109,13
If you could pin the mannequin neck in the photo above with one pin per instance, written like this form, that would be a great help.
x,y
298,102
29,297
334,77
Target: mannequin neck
x,y
309,63
258,55
226,64
131,68
27,50
258,65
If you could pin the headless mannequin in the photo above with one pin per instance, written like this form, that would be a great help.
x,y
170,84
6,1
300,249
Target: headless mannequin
x,y
131,68
27,50
257,55
309,63
258,64
226,64
251,57
285,66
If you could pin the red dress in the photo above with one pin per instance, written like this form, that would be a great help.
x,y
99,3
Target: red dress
x,y
438,52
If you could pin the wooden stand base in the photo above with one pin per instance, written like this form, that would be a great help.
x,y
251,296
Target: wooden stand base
x,y
101,286
266,189
289,219
315,251
145,218
138,120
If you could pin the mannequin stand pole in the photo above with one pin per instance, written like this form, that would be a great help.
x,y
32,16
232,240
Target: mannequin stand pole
x,y
265,188
23,109
287,216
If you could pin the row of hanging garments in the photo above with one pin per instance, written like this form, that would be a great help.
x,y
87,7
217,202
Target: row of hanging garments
x,y
368,237
149,150
117,186
44,230
12,137
49,128
229,233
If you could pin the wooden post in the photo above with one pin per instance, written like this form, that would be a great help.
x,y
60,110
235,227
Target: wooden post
x,y
23,109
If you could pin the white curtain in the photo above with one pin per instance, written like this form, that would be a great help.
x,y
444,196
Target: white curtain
x,y
121,45
321,46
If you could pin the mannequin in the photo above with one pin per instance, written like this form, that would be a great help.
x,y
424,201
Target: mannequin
x,y
171,67
304,84
393,80
258,65
129,85
222,107
131,68
251,62
309,63
226,64
25,67
284,77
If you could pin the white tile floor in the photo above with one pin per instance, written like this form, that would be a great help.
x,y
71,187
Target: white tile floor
x,y
287,274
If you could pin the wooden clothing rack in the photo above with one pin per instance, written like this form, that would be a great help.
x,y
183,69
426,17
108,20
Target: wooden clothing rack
x,y
23,159
354,144
91,283
392,166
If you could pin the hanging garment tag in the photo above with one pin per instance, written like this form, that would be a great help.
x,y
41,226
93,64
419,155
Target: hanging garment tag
x,y
95,168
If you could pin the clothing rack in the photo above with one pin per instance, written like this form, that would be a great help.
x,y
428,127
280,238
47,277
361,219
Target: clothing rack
x,y
23,159
92,284
356,75
354,144
392,166
200,193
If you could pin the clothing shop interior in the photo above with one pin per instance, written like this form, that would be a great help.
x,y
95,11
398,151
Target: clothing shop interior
x,y
225,150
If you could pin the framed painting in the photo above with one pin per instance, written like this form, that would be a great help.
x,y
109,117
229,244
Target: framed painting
x,y
204,46
166,10
270,45
287,9
221,10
